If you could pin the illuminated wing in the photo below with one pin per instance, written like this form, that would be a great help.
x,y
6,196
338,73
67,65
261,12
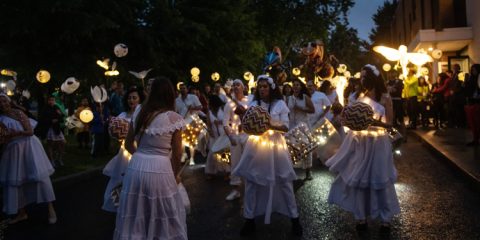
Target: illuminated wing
x,y
389,53
419,58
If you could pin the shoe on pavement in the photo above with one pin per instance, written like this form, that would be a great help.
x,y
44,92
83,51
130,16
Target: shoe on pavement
x,y
233,195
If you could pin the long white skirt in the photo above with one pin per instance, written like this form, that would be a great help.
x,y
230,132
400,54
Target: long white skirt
x,y
150,204
25,174
366,177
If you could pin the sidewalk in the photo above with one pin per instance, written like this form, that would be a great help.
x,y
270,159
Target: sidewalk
x,y
450,145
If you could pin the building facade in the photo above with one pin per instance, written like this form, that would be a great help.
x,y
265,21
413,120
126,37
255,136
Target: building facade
x,y
452,26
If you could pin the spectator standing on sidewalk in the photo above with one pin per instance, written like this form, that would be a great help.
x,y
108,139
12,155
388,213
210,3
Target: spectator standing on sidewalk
x,y
395,89
423,97
472,108
441,93
457,100
411,93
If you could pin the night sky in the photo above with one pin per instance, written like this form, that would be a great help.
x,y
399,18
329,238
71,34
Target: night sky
x,y
360,16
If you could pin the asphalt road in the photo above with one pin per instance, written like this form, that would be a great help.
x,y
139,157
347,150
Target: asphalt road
x,y
436,203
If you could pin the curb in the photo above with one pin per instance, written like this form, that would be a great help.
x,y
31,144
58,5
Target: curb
x,y
471,179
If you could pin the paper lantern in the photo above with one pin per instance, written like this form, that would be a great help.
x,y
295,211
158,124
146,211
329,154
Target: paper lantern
x,y
99,94
9,93
357,75
195,78
43,76
347,74
120,50
256,121
195,71
70,85
342,68
357,116
8,72
118,128
300,142
425,71
193,130
437,53
386,67
103,63
86,115
296,71
26,94
247,76
112,73
215,76
73,122
11,85
178,85
140,75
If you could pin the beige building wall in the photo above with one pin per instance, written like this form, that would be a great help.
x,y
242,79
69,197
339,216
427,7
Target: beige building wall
x,y
473,20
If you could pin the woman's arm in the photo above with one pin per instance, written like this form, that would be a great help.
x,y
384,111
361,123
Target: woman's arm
x,y
130,140
309,105
177,152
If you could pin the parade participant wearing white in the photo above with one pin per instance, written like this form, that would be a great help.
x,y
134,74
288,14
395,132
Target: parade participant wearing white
x,y
151,206
117,166
232,126
266,165
187,105
364,162
300,106
321,104
24,166
215,131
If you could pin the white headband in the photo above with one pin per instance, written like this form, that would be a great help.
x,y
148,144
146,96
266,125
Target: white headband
x,y
269,80
239,82
373,68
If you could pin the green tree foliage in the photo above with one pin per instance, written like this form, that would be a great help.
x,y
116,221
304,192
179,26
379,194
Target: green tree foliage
x,y
347,47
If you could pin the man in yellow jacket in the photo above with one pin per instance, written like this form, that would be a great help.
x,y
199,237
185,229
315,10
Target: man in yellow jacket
x,y
411,93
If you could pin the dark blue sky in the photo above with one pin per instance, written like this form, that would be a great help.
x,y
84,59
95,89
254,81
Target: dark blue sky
x,y
360,16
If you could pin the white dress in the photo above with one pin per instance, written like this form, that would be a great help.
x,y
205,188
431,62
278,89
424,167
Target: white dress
x,y
150,204
211,165
24,171
267,169
233,122
115,169
297,117
366,172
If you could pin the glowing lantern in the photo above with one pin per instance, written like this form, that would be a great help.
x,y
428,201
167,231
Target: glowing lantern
x,y
195,78
215,76
9,93
347,74
461,76
8,72
402,56
357,75
247,76
195,71
70,85
386,67
43,76
437,53
103,63
86,116
342,68
112,73
178,85
296,71
99,94
120,50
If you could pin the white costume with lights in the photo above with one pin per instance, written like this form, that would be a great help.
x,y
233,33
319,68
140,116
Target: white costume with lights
x,y
297,117
267,169
211,165
115,169
366,172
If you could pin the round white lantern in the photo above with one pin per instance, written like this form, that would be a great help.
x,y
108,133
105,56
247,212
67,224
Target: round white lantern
x,y
43,76
195,71
120,50
386,67
86,116
215,76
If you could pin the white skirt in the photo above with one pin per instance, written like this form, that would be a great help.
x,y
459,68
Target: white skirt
x,y
366,177
150,204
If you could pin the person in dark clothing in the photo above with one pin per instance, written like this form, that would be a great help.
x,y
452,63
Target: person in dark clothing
x,y
472,108
395,88
50,120
99,129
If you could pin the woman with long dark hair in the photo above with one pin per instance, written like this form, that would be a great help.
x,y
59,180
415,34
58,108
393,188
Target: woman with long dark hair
x,y
364,163
300,106
266,165
150,204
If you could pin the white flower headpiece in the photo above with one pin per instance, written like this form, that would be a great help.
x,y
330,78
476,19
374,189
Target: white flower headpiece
x,y
269,80
373,68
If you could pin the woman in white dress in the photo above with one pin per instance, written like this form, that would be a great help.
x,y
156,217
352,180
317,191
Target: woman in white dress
x,y
266,166
300,106
215,130
364,163
331,94
24,166
115,168
150,204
